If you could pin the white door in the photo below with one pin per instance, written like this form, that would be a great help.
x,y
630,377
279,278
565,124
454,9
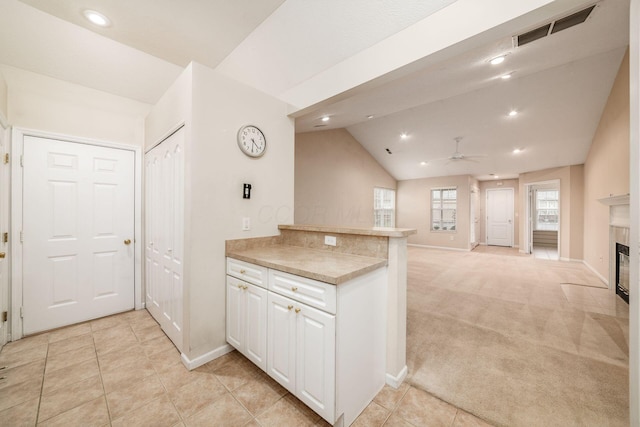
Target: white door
x,y
164,216
4,228
78,231
281,341
473,218
316,359
500,217
256,325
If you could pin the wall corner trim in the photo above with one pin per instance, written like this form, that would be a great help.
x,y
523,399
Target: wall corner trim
x,y
593,270
205,358
396,381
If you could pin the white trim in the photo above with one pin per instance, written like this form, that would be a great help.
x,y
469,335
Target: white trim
x,y
4,123
17,141
396,381
439,247
170,132
593,270
205,358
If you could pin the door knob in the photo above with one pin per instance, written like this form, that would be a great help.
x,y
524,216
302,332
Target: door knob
x,y
127,242
2,255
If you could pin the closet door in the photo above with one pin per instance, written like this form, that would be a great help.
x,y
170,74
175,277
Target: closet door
x,y
165,219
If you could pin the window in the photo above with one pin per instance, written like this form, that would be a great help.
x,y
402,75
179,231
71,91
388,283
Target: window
x,y
546,210
443,209
384,207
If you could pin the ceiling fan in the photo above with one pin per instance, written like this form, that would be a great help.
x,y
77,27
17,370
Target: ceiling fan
x,y
458,156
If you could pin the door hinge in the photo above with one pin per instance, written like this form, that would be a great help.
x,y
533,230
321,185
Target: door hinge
x,y
21,236
6,158
5,237
21,160
21,312
5,316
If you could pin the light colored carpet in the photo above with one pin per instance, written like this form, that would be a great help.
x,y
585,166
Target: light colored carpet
x,y
517,341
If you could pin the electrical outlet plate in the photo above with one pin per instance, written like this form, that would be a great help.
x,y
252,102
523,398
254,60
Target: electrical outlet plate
x,y
246,224
330,240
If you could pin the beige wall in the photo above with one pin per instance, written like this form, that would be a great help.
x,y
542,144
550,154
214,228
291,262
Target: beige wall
x,y
43,103
571,206
606,171
213,108
334,179
414,211
3,97
504,183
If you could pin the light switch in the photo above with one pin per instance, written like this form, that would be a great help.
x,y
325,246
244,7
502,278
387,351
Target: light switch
x,y
330,240
246,224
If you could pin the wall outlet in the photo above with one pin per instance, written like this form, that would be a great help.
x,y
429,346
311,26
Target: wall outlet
x,y
330,240
246,224
451,238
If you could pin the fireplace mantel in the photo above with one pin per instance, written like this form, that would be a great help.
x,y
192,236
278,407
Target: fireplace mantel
x,y
615,200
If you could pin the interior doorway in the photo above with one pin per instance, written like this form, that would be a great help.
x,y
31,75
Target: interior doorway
x,y
4,228
543,219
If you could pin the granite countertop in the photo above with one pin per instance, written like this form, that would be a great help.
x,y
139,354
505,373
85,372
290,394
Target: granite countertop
x,y
326,266
373,231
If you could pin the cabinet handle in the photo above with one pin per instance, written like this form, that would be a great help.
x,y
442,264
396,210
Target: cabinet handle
x,y
243,271
297,310
289,307
294,289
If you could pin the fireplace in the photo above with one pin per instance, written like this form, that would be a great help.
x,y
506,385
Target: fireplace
x,y
622,271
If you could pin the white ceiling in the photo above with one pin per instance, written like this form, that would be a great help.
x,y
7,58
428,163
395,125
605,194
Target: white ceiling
x,y
364,53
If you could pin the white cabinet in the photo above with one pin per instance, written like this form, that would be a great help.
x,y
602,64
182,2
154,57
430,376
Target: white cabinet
x,y
247,320
326,344
301,352
164,235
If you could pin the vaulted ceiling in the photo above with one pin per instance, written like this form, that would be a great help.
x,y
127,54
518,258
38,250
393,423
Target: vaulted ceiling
x,y
418,67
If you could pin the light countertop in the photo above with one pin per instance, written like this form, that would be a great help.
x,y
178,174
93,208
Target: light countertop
x,y
326,266
373,231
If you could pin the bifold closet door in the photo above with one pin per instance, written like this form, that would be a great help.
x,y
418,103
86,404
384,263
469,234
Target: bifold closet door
x,y
164,215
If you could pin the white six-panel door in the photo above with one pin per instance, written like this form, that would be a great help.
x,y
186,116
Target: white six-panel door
x,y
500,214
164,217
78,232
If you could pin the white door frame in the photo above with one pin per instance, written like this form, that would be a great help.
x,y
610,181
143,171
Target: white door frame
x,y
17,139
5,335
486,219
528,224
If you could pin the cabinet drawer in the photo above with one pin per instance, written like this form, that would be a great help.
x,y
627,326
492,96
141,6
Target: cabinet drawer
x,y
316,294
248,272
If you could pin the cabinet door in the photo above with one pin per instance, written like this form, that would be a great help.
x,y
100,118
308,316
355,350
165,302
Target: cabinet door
x,y
235,313
315,360
255,348
281,336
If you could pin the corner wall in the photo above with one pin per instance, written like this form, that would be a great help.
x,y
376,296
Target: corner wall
x,y
3,97
213,108
334,179
413,203
606,170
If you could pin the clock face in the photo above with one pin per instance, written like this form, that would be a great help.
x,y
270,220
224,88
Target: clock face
x,y
251,141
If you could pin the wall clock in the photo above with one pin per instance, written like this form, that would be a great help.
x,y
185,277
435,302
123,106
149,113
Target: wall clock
x,y
251,141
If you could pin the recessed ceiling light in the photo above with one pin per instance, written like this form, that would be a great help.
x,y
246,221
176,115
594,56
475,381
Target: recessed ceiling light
x,y
513,113
97,18
496,177
370,116
517,150
325,119
506,76
497,60
423,163
404,135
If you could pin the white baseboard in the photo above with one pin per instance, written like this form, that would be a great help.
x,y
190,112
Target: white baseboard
x,y
395,381
593,270
571,260
205,358
446,248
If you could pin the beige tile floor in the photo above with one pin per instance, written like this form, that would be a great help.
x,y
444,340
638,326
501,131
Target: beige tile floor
x,y
123,371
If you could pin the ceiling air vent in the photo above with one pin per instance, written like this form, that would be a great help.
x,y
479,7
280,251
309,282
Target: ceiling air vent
x,y
554,26
571,20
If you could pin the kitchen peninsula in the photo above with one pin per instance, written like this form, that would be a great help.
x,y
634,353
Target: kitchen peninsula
x,y
323,311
